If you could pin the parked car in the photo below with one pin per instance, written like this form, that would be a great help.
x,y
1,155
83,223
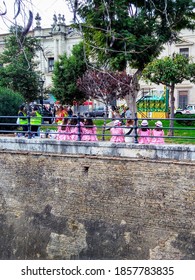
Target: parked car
x,y
97,112
190,109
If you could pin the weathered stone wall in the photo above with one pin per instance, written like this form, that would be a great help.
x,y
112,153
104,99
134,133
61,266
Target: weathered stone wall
x,y
56,206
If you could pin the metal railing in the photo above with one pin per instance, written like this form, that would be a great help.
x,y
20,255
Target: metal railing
x,y
185,133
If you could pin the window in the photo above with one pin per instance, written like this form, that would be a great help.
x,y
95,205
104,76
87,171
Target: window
x,y
184,52
183,99
50,64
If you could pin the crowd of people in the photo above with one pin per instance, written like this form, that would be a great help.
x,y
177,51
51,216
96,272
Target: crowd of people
x,y
68,128
119,112
86,130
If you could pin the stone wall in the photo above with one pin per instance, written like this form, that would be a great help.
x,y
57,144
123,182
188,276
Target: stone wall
x,y
60,206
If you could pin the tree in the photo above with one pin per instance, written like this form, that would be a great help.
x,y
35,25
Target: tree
x,y
170,71
66,72
19,69
120,33
105,86
9,105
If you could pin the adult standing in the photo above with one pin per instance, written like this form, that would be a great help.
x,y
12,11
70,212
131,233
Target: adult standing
x,y
127,113
35,121
22,117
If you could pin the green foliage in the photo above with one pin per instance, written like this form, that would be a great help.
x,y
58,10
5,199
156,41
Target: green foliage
x,y
121,32
9,105
169,70
186,119
66,72
18,71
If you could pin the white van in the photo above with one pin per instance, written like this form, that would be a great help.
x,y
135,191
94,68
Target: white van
x,y
190,109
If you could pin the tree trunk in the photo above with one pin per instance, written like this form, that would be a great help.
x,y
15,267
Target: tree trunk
x,y
132,96
171,124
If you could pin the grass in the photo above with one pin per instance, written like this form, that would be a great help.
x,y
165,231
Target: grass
x,y
182,133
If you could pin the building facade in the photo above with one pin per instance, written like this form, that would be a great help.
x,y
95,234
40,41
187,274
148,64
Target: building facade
x,y
185,92
55,41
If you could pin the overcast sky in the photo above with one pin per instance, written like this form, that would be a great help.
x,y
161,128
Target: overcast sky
x,y
46,9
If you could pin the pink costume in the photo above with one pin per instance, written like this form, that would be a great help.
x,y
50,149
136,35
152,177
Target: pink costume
x,y
63,134
89,134
144,136
74,132
117,134
157,139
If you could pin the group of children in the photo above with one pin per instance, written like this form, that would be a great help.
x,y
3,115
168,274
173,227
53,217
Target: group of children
x,y
145,134
151,136
70,130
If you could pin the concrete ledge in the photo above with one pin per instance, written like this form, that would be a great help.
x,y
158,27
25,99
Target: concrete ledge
x,y
168,151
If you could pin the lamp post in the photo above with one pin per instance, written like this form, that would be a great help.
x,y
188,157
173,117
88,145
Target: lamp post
x,y
41,83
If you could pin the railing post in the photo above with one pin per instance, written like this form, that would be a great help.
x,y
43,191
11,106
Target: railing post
x,y
136,127
29,127
79,126
103,130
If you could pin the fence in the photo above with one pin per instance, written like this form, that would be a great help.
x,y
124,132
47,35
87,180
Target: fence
x,y
182,133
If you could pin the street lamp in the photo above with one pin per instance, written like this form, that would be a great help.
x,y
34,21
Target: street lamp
x,y
41,83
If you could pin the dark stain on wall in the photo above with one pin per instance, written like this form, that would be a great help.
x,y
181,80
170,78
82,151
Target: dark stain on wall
x,y
6,238
185,242
107,241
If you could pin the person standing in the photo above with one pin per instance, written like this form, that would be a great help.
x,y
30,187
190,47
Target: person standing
x,y
35,121
22,118
127,113
110,112
70,112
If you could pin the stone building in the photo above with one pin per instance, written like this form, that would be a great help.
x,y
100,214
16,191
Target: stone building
x,y
61,38
55,41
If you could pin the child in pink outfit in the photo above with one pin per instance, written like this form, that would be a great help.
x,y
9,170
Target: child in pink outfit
x,y
117,133
158,134
144,133
63,132
89,131
74,129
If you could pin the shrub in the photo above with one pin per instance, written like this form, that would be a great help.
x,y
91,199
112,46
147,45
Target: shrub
x,y
9,104
185,119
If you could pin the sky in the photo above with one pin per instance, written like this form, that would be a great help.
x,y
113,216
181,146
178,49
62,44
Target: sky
x,y
45,8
